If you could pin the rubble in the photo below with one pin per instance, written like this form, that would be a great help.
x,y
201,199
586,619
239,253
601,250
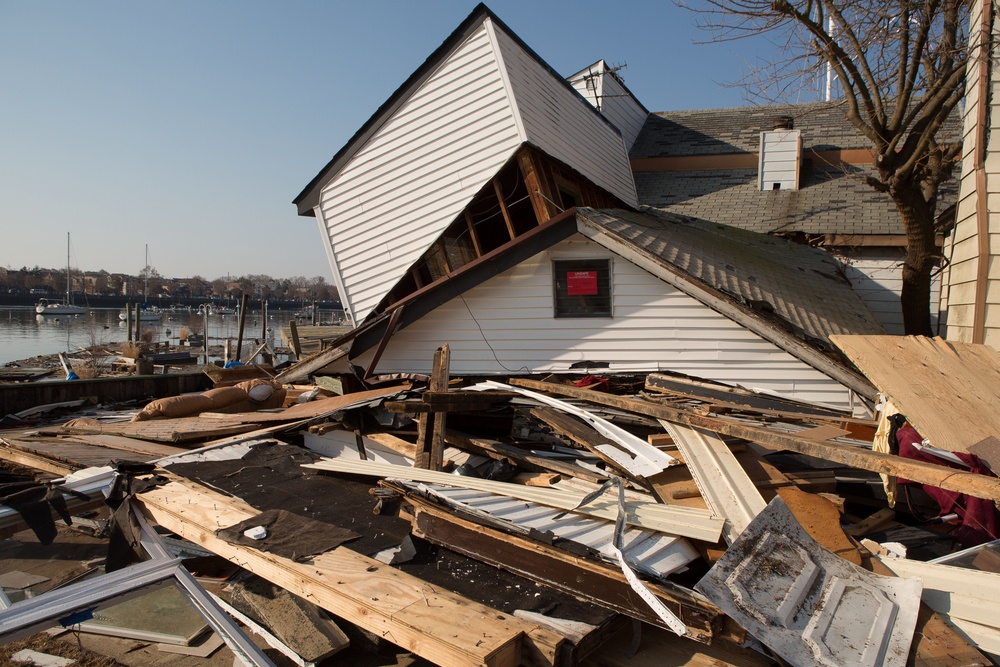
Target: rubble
x,y
555,516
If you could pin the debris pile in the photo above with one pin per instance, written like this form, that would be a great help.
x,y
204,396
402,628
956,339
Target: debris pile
x,y
585,520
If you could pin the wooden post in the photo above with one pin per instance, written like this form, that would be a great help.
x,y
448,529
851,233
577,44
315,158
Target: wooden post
x,y
296,346
315,314
204,339
431,425
138,321
265,356
243,320
128,321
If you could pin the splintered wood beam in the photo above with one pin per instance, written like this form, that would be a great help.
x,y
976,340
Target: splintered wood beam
x,y
595,582
979,486
438,625
580,433
431,425
498,450
503,209
536,189
473,234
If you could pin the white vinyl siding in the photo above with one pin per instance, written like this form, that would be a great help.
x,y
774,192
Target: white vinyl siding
x,y
418,171
876,274
612,99
778,164
964,269
506,325
564,125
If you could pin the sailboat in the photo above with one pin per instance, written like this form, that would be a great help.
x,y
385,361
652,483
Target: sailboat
x,y
144,314
46,307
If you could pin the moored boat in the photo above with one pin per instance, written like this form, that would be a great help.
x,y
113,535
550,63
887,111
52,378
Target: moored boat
x,y
46,307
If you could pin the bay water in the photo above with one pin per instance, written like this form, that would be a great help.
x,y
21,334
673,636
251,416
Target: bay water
x,y
24,334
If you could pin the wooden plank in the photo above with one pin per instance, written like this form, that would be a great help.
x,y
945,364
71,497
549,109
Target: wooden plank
x,y
580,433
183,429
937,384
37,461
431,425
595,582
438,625
132,445
318,408
979,486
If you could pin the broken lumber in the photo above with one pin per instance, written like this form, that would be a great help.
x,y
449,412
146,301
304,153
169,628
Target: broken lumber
x,y
681,521
595,582
972,484
438,625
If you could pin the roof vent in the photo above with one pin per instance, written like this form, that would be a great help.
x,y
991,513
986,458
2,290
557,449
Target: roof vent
x,y
782,123
780,158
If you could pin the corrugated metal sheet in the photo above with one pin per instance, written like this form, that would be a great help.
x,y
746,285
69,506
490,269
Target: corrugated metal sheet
x,y
564,125
418,171
602,89
506,325
649,552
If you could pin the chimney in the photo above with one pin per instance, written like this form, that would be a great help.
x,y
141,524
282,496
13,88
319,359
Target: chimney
x,y
780,156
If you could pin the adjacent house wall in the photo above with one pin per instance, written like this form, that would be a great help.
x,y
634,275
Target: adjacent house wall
x,y
604,90
876,275
506,325
414,176
967,249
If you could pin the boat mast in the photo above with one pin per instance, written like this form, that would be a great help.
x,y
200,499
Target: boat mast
x,y
67,269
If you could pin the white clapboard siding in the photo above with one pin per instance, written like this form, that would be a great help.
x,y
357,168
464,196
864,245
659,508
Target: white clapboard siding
x,y
506,325
418,171
603,90
876,274
564,125
779,159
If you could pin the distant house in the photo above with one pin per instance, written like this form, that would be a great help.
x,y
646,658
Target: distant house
x,y
796,171
488,205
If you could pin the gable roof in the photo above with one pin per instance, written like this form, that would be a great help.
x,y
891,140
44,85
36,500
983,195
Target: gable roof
x,y
412,169
719,182
308,198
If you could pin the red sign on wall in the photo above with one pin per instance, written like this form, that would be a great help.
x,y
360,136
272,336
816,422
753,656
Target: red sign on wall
x,y
581,283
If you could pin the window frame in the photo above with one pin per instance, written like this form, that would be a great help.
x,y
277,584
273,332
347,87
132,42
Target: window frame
x,y
591,305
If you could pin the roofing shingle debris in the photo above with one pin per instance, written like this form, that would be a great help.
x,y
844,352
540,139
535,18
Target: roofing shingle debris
x,y
563,520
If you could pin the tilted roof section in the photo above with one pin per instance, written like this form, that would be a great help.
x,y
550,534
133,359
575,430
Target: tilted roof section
x,y
410,171
797,286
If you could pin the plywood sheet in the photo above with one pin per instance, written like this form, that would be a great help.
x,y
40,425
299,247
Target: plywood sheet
x,y
949,391
316,408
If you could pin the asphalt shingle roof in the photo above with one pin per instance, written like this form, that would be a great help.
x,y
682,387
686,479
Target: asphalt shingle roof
x,y
800,285
830,200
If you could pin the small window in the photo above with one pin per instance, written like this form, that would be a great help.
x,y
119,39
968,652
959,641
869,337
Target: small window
x,y
582,287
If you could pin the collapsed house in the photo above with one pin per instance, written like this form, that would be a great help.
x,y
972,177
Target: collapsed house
x,y
500,258
669,458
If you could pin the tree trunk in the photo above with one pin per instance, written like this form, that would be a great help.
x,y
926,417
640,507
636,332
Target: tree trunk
x,y
921,258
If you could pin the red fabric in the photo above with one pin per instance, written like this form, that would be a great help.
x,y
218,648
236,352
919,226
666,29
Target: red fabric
x,y
979,518
587,380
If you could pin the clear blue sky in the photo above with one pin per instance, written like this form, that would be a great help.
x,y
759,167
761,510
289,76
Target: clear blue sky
x,y
191,125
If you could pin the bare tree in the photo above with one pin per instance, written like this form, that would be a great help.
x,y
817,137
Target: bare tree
x,y
900,69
